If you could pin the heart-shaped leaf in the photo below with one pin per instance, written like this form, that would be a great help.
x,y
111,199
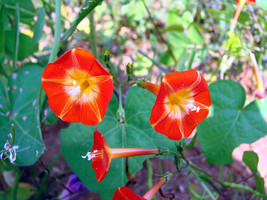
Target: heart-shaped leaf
x,y
230,122
137,132
19,104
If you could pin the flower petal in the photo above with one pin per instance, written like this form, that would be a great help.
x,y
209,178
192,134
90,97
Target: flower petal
x,y
124,193
93,109
77,78
76,59
61,104
55,74
182,102
100,163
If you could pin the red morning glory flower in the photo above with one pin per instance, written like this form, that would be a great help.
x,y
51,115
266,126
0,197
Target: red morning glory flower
x,y
183,101
102,155
124,193
78,87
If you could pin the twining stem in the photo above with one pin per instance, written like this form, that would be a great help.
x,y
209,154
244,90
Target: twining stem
x,y
149,175
56,42
224,184
159,33
201,170
16,47
92,34
244,187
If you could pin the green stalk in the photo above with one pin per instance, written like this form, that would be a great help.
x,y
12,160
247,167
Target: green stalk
x,y
56,43
16,47
205,187
149,175
16,182
92,34
244,187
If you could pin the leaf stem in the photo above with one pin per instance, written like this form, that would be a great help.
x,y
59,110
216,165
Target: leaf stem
x,y
56,42
201,170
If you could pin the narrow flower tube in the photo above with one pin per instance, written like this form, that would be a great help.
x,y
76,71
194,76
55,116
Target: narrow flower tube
x,y
78,87
124,193
154,88
241,4
183,101
260,91
102,155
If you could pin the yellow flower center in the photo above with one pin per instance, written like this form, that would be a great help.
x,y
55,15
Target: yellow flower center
x,y
178,101
81,84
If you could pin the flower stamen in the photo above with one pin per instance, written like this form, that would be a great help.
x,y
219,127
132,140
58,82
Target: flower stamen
x,y
91,155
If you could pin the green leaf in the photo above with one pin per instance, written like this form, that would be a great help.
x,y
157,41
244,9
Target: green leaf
x,y
19,105
251,159
38,28
195,35
244,18
27,10
167,58
178,40
25,45
2,30
50,117
174,27
181,63
229,123
77,140
259,184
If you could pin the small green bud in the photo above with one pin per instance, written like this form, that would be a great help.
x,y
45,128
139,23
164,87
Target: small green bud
x,y
107,56
129,71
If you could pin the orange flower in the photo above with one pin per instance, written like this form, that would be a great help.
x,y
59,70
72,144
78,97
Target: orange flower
x,y
260,91
182,102
78,87
241,4
102,155
123,193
